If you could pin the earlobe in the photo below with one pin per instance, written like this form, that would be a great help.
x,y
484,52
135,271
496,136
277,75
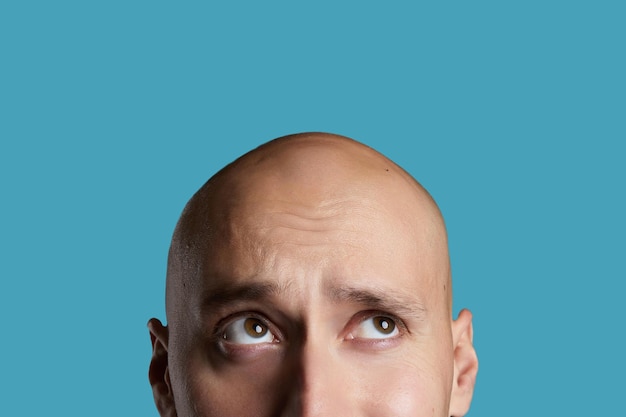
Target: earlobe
x,y
465,364
158,373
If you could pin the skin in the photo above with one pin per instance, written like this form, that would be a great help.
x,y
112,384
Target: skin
x,y
311,278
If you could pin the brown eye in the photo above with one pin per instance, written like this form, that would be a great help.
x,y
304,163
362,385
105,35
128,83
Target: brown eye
x,y
248,331
384,324
376,327
255,327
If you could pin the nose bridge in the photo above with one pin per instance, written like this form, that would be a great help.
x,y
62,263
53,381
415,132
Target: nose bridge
x,y
318,389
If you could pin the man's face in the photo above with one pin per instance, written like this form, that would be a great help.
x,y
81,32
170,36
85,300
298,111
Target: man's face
x,y
317,301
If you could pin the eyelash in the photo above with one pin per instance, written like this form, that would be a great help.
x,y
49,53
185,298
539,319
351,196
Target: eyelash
x,y
222,325
363,316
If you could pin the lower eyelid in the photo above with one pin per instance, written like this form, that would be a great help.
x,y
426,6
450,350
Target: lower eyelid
x,y
237,352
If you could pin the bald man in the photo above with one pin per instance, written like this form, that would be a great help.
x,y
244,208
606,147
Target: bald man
x,y
311,277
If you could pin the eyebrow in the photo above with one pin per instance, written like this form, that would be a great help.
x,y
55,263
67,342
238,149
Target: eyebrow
x,y
383,299
231,293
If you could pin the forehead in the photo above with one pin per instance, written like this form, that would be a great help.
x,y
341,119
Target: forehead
x,y
302,247
313,217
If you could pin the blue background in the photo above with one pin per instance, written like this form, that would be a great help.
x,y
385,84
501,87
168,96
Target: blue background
x,y
512,114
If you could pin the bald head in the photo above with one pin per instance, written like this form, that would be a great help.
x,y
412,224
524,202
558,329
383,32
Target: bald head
x,y
310,277
310,175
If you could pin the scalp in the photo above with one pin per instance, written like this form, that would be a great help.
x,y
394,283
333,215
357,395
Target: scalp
x,y
308,170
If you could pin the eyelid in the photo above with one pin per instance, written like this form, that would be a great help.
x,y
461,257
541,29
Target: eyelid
x,y
362,316
220,327
356,320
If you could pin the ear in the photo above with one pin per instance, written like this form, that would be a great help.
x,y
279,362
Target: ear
x,y
159,374
465,365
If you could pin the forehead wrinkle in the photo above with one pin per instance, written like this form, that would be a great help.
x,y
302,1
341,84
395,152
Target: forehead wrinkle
x,y
292,224
316,211
317,215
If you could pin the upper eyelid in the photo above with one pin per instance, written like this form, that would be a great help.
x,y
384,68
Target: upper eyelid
x,y
368,314
221,325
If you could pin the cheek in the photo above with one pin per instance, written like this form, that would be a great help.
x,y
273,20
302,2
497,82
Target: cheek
x,y
406,391
231,389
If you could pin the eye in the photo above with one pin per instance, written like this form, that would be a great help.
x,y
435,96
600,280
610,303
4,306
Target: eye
x,y
376,327
248,331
